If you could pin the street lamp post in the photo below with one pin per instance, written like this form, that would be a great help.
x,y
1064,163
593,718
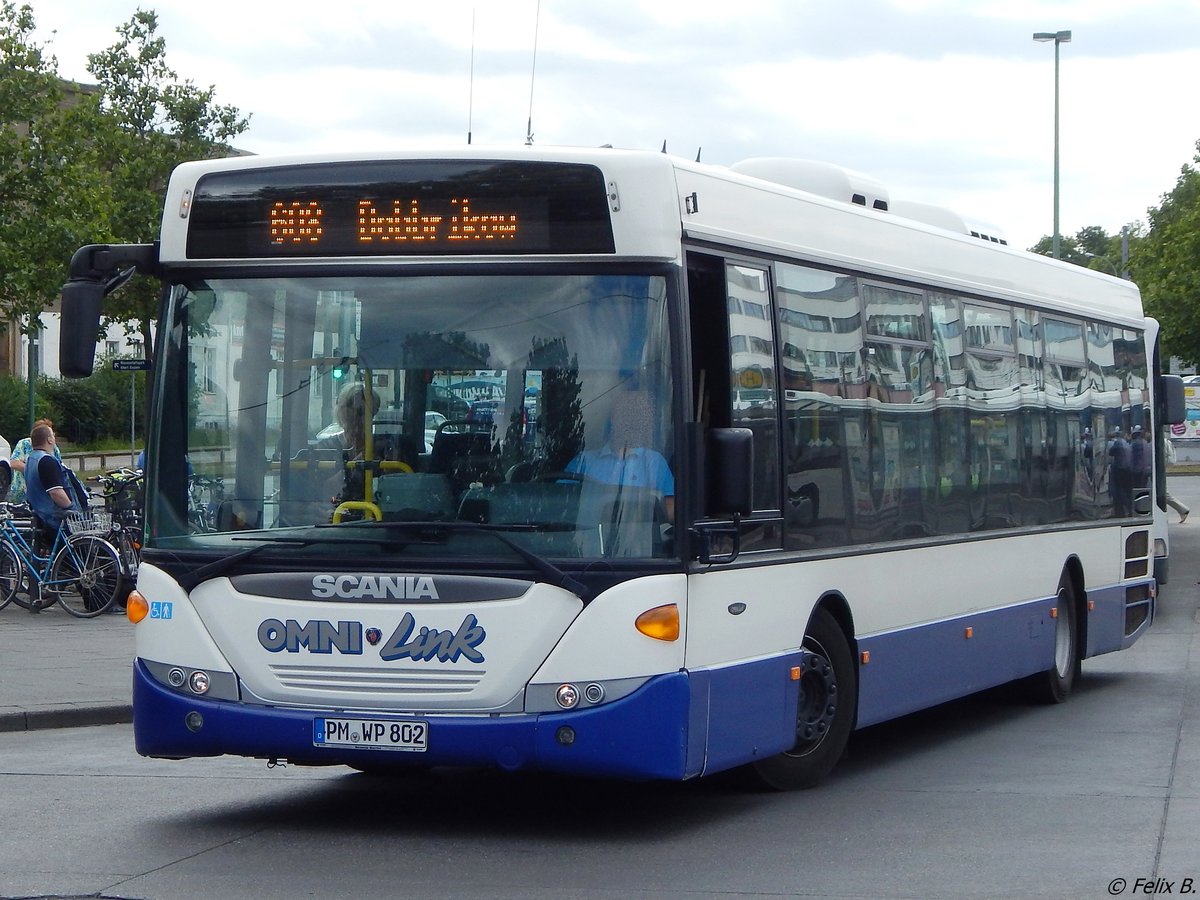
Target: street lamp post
x,y
1059,37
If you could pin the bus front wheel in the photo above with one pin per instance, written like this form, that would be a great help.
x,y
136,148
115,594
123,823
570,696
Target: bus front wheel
x,y
828,696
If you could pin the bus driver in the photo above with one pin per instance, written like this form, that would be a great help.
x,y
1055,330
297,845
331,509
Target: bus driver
x,y
626,458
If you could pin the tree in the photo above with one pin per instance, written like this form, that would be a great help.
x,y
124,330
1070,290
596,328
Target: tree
x,y
52,195
147,123
1091,247
1166,265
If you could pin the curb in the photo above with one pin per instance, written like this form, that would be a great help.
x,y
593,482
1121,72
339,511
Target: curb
x,y
40,718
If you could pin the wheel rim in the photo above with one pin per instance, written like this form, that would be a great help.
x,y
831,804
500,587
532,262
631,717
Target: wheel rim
x,y
818,700
86,577
1063,637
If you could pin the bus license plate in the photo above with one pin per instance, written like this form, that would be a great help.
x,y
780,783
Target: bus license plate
x,y
371,734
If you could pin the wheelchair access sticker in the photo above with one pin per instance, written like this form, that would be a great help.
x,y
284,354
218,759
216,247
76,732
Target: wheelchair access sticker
x,y
160,609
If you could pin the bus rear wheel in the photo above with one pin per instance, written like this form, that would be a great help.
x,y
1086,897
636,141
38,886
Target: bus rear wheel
x,y
1056,683
828,698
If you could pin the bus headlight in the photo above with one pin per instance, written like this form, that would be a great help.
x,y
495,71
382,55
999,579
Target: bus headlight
x,y
198,682
567,696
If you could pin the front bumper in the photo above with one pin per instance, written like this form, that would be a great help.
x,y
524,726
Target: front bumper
x,y
642,736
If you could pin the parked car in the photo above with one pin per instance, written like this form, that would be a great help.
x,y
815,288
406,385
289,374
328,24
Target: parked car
x,y
449,404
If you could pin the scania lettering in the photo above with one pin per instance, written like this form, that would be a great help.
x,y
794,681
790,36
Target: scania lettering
x,y
351,587
611,463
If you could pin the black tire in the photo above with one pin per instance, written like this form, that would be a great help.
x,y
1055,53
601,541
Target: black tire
x,y
1056,683
87,576
825,718
12,573
27,596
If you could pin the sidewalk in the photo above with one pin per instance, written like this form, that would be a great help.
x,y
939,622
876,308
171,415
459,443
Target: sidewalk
x,y
57,671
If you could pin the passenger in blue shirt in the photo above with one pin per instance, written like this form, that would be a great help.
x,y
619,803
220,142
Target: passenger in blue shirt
x,y
625,459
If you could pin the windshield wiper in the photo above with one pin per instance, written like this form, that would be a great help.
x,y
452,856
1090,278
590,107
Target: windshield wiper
x,y
220,566
552,573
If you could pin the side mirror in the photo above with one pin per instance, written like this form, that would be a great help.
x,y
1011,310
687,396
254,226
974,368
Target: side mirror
x,y
95,272
1173,405
729,474
81,302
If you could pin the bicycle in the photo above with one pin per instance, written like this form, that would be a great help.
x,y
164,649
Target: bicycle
x,y
81,571
201,511
123,499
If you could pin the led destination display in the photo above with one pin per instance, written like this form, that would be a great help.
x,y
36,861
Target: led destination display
x,y
400,208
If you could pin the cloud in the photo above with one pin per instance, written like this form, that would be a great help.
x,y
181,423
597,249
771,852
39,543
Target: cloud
x,y
945,101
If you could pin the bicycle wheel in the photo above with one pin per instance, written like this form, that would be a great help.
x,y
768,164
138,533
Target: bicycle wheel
x,y
11,572
87,576
28,595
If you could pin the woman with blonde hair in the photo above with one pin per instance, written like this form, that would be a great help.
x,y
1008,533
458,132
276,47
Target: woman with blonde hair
x,y
352,416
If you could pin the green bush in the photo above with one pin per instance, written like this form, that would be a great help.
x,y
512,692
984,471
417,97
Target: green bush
x,y
81,411
89,411
14,408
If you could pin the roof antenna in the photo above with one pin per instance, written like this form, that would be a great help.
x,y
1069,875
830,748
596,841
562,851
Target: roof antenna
x,y
664,149
532,74
471,88
698,149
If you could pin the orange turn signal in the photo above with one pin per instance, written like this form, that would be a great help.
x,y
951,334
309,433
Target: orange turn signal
x,y
137,607
660,623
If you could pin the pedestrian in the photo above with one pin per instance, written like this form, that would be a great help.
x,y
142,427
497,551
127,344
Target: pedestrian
x,y
53,491
1175,504
1120,476
1141,457
20,453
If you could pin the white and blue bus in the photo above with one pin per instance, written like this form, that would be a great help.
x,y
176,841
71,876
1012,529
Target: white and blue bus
x,y
611,463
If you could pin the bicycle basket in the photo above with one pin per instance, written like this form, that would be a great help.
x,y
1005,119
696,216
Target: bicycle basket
x,y
92,520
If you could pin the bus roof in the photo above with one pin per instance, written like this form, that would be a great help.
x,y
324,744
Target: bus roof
x,y
656,201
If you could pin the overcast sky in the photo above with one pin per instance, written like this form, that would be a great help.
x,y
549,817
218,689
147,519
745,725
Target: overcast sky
x,y
945,101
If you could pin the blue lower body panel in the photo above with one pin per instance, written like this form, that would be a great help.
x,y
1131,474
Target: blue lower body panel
x,y
915,668
642,736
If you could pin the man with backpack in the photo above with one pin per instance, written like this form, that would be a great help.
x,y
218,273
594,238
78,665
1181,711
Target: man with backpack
x,y
52,489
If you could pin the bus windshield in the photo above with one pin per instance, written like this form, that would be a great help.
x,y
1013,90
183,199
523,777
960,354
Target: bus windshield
x,y
440,411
